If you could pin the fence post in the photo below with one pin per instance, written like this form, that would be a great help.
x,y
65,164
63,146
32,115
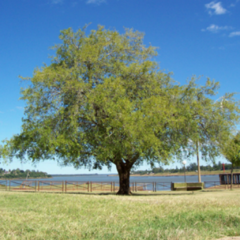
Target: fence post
x,y
91,186
35,186
153,186
9,187
6,185
62,187
65,186
136,186
38,186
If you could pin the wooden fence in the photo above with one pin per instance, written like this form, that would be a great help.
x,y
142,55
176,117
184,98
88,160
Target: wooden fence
x,y
78,186
3,184
75,186
218,185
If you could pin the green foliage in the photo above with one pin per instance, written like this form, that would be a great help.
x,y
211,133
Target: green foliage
x,y
192,167
17,173
211,122
231,149
104,100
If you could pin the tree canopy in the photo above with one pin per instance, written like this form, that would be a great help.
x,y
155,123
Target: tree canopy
x,y
231,149
213,121
103,100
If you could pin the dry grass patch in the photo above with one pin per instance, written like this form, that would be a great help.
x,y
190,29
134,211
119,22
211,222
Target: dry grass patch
x,y
202,215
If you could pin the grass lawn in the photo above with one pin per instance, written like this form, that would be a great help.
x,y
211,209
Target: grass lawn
x,y
165,215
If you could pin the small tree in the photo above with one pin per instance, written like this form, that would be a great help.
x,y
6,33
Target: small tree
x,y
102,101
213,121
231,151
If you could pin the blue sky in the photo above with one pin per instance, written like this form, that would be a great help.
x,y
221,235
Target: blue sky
x,y
195,37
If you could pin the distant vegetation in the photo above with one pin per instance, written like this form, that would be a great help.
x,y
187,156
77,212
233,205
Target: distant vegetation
x,y
17,173
190,168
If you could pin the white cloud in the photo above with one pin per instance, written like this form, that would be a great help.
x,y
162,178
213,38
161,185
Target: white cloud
x,y
215,28
215,8
95,1
233,34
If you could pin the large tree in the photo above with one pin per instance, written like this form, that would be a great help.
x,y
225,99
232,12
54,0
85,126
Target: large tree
x,y
103,101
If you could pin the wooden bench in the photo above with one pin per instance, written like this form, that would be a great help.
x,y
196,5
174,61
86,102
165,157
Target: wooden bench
x,y
187,186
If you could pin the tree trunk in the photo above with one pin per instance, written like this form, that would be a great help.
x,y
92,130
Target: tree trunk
x,y
198,163
124,178
232,177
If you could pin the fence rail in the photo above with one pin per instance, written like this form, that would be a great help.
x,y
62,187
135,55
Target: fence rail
x,y
3,184
77,186
18,185
162,186
52,186
218,185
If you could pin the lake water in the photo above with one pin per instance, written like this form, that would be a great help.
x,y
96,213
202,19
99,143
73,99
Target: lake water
x,y
107,178
162,183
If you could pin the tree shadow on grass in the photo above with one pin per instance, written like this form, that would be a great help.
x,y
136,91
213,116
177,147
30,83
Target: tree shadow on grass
x,y
134,194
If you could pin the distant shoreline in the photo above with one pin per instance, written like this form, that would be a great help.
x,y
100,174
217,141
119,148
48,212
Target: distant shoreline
x,y
23,178
203,173
73,175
